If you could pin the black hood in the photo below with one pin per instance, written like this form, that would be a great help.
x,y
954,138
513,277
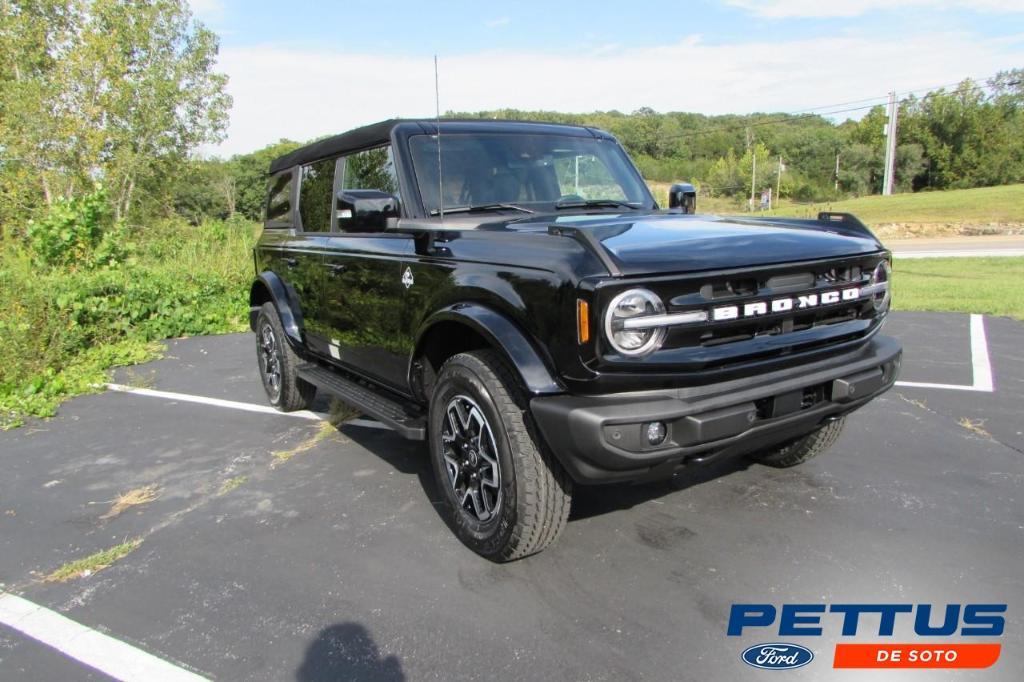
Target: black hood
x,y
665,243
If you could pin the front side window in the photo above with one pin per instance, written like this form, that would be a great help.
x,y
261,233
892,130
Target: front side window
x,y
279,199
538,171
370,169
315,196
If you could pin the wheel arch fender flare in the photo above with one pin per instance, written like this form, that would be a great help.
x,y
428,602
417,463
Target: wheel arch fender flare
x,y
501,333
268,286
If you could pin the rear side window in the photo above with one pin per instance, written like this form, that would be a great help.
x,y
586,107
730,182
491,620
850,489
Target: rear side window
x,y
279,200
315,196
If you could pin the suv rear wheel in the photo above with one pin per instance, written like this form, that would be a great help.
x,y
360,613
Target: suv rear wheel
x,y
804,448
278,364
504,494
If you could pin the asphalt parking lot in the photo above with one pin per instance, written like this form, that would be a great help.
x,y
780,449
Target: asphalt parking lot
x,y
282,548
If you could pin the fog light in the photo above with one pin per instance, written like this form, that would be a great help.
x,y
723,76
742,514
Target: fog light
x,y
656,433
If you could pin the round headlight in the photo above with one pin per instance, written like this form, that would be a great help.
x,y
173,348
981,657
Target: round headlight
x,y
634,303
881,275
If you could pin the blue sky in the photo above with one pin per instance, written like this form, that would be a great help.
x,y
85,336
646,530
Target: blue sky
x,y
301,69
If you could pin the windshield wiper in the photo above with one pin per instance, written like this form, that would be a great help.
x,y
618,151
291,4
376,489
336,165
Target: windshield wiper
x,y
482,207
589,203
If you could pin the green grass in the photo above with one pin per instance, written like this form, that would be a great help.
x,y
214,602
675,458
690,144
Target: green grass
x,y
718,205
230,484
978,206
961,206
993,286
93,563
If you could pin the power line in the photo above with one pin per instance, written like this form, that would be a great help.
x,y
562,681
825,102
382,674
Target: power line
x,y
818,112
898,93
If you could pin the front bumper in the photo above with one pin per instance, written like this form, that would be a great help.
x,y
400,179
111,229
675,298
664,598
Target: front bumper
x,y
601,439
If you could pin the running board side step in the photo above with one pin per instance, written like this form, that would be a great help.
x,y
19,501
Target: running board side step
x,y
368,401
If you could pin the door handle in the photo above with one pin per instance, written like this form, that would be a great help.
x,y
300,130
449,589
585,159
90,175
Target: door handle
x,y
291,262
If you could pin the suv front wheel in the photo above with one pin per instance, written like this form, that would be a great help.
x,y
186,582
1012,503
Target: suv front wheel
x,y
504,494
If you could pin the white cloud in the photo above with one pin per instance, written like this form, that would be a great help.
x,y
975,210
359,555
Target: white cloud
x,y
778,9
496,23
206,9
297,94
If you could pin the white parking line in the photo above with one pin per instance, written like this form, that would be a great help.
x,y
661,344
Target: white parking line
x,y
216,402
367,423
981,366
235,405
93,648
963,253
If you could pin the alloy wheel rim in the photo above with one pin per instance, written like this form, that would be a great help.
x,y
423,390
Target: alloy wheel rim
x,y
471,459
270,362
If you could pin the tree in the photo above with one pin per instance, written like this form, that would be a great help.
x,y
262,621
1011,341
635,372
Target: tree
x,y
859,169
204,189
249,172
910,163
36,37
109,90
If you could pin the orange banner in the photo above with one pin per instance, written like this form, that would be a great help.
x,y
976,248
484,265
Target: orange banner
x,y
915,655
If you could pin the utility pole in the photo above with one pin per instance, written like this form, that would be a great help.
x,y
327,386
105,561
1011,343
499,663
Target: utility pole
x,y
778,182
890,146
837,172
753,177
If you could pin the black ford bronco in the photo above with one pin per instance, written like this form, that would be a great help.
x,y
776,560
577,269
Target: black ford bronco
x,y
511,293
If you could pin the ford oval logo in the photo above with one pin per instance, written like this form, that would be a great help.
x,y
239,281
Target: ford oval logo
x,y
777,656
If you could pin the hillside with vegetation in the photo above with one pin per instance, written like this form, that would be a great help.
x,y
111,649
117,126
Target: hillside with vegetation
x,y
968,136
955,212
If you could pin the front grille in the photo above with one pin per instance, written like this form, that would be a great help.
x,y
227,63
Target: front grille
x,y
717,335
728,341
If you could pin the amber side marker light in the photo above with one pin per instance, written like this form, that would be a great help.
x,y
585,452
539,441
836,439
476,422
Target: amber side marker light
x,y
582,320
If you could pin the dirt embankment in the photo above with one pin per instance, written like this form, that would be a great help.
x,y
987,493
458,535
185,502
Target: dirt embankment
x,y
912,230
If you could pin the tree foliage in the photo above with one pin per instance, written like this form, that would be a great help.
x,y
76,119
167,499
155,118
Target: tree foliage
x,y
111,90
969,136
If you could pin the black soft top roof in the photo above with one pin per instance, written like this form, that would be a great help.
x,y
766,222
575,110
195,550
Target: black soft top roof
x,y
380,133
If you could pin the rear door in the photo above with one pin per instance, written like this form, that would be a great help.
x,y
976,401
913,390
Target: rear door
x,y
292,254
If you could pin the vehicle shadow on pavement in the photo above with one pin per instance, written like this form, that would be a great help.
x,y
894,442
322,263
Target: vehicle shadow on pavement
x,y
406,456
589,501
346,651
410,457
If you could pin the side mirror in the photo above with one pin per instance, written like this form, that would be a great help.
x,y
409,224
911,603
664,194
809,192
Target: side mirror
x,y
365,210
683,196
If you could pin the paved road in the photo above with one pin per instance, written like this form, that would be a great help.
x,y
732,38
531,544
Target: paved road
x,y
280,549
957,247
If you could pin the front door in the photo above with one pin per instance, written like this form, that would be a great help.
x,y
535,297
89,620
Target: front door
x,y
363,291
363,276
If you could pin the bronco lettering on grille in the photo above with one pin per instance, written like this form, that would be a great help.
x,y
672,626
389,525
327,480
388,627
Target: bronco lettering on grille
x,y
784,304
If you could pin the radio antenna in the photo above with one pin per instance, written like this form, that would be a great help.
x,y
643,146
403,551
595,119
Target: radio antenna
x,y
440,176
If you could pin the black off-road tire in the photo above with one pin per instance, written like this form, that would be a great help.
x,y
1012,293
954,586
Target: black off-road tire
x,y
536,492
293,393
804,448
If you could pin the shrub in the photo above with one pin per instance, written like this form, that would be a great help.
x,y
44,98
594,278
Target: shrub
x,y
76,303
78,232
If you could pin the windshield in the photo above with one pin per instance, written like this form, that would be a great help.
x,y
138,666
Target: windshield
x,y
525,170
